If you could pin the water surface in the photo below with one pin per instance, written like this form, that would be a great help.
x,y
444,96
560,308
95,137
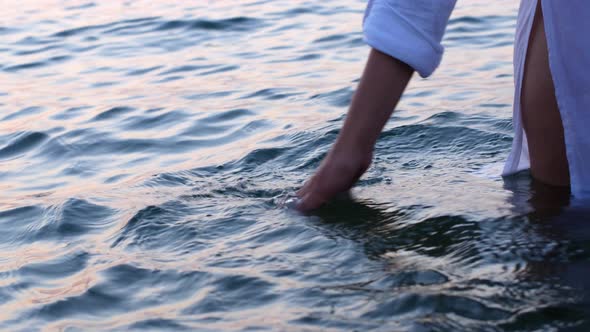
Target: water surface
x,y
145,147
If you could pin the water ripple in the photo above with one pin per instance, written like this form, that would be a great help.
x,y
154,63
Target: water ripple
x,y
22,143
147,150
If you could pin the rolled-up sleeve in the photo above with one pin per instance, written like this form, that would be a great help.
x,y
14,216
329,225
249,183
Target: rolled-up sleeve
x,y
408,30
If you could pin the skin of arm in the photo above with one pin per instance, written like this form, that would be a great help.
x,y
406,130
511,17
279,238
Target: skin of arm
x,y
381,86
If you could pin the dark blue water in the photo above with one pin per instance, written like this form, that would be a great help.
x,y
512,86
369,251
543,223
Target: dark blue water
x,y
146,146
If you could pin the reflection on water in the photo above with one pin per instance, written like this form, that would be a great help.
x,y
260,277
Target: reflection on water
x,y
145,147
515,273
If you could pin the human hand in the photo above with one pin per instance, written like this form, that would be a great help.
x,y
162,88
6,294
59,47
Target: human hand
x,y
338,172
380,88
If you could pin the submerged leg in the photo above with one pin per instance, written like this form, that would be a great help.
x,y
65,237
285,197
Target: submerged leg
x,y
540,112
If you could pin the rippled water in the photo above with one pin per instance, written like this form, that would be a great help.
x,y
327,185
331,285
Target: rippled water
x,y
145,147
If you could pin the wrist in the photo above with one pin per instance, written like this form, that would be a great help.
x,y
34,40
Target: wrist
x,y
356,152
359,144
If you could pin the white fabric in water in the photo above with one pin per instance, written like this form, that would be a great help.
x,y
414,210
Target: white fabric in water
x,y
567,29
411,31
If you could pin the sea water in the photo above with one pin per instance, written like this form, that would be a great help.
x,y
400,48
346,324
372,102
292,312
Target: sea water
x,y
146,147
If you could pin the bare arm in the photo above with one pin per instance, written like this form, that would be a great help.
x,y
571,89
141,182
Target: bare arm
x,y
382,84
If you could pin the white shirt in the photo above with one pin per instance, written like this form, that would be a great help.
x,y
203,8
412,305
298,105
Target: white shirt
x,y
411,31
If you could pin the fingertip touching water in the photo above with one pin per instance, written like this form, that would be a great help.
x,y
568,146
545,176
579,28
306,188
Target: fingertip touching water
x,y
146,147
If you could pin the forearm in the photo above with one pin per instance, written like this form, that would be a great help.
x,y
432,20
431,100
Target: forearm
x,y
380,88
377,94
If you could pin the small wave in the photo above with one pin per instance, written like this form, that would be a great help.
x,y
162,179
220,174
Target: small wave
x,y
82,6
137,72
405,304
270,94
164,120
22,143
229,24
37,64
27,111
235,292
58,268
113,112
222,69
74,218
77,31
186,68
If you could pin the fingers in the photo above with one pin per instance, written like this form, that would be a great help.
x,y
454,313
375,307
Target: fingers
x,y
315,193
310,201
303,190
307,186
